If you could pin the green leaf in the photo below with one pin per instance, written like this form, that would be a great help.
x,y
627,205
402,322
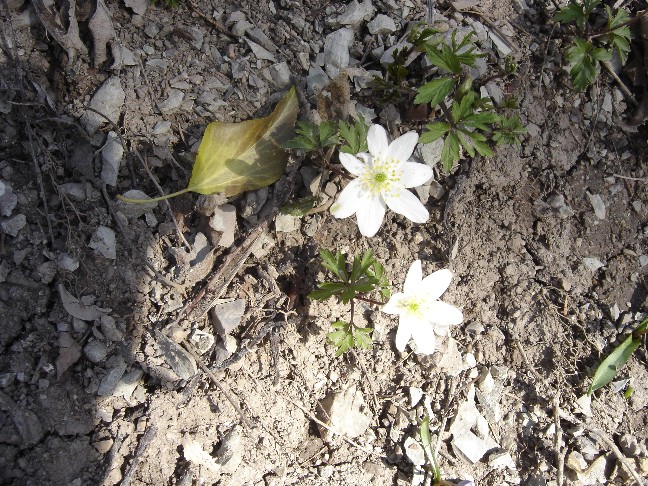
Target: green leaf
x,y
585,62
341,338
620,35
363,337
238,157
435,91
450,152
327,290
300,207
435,131
482,120
335,263
607,370
355,135
509,131
444,59
576,12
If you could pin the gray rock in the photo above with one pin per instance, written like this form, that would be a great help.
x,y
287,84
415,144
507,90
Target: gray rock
x,y
109,329
344,411
47,272
336,51
132,210
355,13
285,223
95,351
108,100
111,155
224,220
8,199
414,451
197,36
437,191
67,262
316,80
501,460
382,24
258,36
28,425
73,190
280,74
630,445
12,226
597,204
228,316
261,52
501,44
182,363
138,6
241,27
557,202
430,153
174,100
109,382
103,240
161,127
202,341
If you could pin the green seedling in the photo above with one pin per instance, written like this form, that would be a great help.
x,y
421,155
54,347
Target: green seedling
x,y
312,137
591,49
607,370
351,283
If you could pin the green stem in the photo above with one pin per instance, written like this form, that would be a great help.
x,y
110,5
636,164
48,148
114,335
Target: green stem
x,y
152,200
371,301
624,24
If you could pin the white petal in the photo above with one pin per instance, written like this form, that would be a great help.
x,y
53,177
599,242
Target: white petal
x,y
444,314
370,213
413,278
347,201
415,174
403,147
404,332
436,283
352,164
393,305
366,158
423,336
377,140
403,202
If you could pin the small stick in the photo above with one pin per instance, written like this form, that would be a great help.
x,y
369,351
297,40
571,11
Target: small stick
x,y
560,453
146,440
638,179
615,450
190,349
622,85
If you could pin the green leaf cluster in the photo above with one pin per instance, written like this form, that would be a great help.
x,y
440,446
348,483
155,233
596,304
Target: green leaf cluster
x,y
364,275
168,3
607,370
347,336
588,49
311,137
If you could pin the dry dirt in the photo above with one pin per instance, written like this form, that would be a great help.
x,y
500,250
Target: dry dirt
x,y
98,401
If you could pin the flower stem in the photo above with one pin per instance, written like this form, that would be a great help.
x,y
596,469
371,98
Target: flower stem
x,y
152,200
371,301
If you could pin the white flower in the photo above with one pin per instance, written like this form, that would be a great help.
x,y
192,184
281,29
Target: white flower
x,y
421,313
382,177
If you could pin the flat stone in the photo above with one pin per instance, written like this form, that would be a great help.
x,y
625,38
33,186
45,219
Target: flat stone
x,y
103,240
241,27
161,127
584,405
285,223
108,100
593,264
181,362
261,52
280,74
135,210
416,394
228,316
501,44
8,199
224,221
174,100
355,13
127,384
430,153
109,382
67,262
501,460
111,156
95,351
74,190
382,24
316,80
336,51
344,411
109,329
414,451
258,36
12,226
137,6
597,204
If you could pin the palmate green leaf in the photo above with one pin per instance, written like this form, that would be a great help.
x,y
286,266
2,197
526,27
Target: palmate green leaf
x,y
585,62
482,120
509,131
341,338
355,135
620,35
607,370
474,142
327,290
238,157
443,58
435,91
576,11
450,152
435,131
336,263
363,337
307,138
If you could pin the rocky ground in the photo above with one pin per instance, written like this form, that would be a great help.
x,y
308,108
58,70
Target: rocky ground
x,y
547,244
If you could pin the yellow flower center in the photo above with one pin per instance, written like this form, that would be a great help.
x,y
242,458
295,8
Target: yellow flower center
x,y
414,306
382,177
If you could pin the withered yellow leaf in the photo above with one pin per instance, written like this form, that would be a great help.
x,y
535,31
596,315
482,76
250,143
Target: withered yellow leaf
x,y
238,157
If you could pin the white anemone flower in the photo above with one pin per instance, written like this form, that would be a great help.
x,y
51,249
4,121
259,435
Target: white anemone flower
x,y
382,178
421,313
